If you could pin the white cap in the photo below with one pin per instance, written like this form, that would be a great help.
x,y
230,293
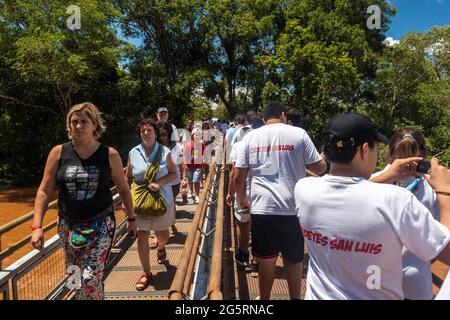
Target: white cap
x,y
162,109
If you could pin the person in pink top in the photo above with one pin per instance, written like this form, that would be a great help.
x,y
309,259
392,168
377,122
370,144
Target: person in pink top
x,y
192,163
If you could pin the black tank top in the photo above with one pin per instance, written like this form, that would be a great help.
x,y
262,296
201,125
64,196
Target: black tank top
x,y
84,183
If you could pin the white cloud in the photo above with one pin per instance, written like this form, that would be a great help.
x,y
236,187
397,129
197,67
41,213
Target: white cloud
x,y
389,41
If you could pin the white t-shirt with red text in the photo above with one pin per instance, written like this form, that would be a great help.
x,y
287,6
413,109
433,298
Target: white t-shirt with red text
x,y
276,155
356,230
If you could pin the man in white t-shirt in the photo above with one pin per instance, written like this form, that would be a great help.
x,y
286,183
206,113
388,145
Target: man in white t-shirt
x,y
249,116
275,157
356,229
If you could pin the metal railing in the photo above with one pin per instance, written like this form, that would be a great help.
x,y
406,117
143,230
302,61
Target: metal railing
x,y
183,277
41,274
26,240
215,283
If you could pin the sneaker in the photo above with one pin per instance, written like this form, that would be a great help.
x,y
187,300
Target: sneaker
x,y
254,269
196,200
257,298
241,258
189,194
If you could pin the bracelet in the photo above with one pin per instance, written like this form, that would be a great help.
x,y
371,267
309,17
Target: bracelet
x,y
35,228
443,193
131,219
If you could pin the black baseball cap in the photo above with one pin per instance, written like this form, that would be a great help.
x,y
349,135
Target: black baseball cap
x,y
353,129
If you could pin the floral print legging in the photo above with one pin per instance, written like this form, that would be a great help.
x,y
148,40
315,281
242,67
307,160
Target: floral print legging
x,y
90,260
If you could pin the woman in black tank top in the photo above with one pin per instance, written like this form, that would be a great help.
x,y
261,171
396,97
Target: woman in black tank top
x,y
83,168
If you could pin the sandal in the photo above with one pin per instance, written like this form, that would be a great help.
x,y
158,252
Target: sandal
x,y
144,281
162,255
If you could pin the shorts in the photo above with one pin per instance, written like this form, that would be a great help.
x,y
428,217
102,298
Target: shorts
x,y
274,234
194,175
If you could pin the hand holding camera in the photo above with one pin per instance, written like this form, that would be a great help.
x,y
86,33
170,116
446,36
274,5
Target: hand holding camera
x,y
439,178
402,168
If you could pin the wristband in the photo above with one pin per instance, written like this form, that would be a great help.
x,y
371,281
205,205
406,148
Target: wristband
x,y
131,219
35,228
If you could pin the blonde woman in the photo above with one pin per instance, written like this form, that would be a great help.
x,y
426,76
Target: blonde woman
x,y
83,168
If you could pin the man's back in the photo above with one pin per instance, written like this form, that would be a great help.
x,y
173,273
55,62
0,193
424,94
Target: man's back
x,y
356,230
276,156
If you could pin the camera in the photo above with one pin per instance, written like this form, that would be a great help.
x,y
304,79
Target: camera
x,y
423,166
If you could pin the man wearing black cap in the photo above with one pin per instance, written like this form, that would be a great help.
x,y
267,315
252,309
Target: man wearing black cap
x,y
356,229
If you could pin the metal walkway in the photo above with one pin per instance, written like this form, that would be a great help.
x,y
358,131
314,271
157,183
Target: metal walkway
x,y
125,268
199,264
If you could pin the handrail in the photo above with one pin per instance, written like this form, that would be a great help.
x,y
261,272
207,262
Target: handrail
x,y
198,236
178,284
22,219
28,216
25,264
214,288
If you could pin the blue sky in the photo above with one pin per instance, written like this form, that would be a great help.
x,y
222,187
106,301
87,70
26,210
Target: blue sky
x,y
418,16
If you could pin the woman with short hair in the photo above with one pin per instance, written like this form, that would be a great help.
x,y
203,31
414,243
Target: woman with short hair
x,y
83,168
149,153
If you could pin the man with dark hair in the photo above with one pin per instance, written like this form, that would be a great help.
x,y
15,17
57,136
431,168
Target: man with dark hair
x,y
356,229
275,157
294,118
273,110
249,116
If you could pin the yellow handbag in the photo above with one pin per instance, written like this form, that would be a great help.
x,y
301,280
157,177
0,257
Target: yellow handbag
x,y
148,203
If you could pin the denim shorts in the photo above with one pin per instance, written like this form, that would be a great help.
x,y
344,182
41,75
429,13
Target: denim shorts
x,y
194,175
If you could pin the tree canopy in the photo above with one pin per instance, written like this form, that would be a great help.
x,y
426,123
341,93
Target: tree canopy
x,y
318,57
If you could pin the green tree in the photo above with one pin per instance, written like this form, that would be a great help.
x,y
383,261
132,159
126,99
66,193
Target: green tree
x,y
326,57
45,69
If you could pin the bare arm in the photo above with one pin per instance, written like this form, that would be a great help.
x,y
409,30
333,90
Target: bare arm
x,y
231,188
318,167
239,182
43,196
231,191
47,186
399,169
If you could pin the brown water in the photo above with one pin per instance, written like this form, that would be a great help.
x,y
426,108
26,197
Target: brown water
x,y
14,203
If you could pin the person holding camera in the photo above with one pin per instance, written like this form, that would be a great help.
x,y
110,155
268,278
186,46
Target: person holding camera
x,y
355,229
407,143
